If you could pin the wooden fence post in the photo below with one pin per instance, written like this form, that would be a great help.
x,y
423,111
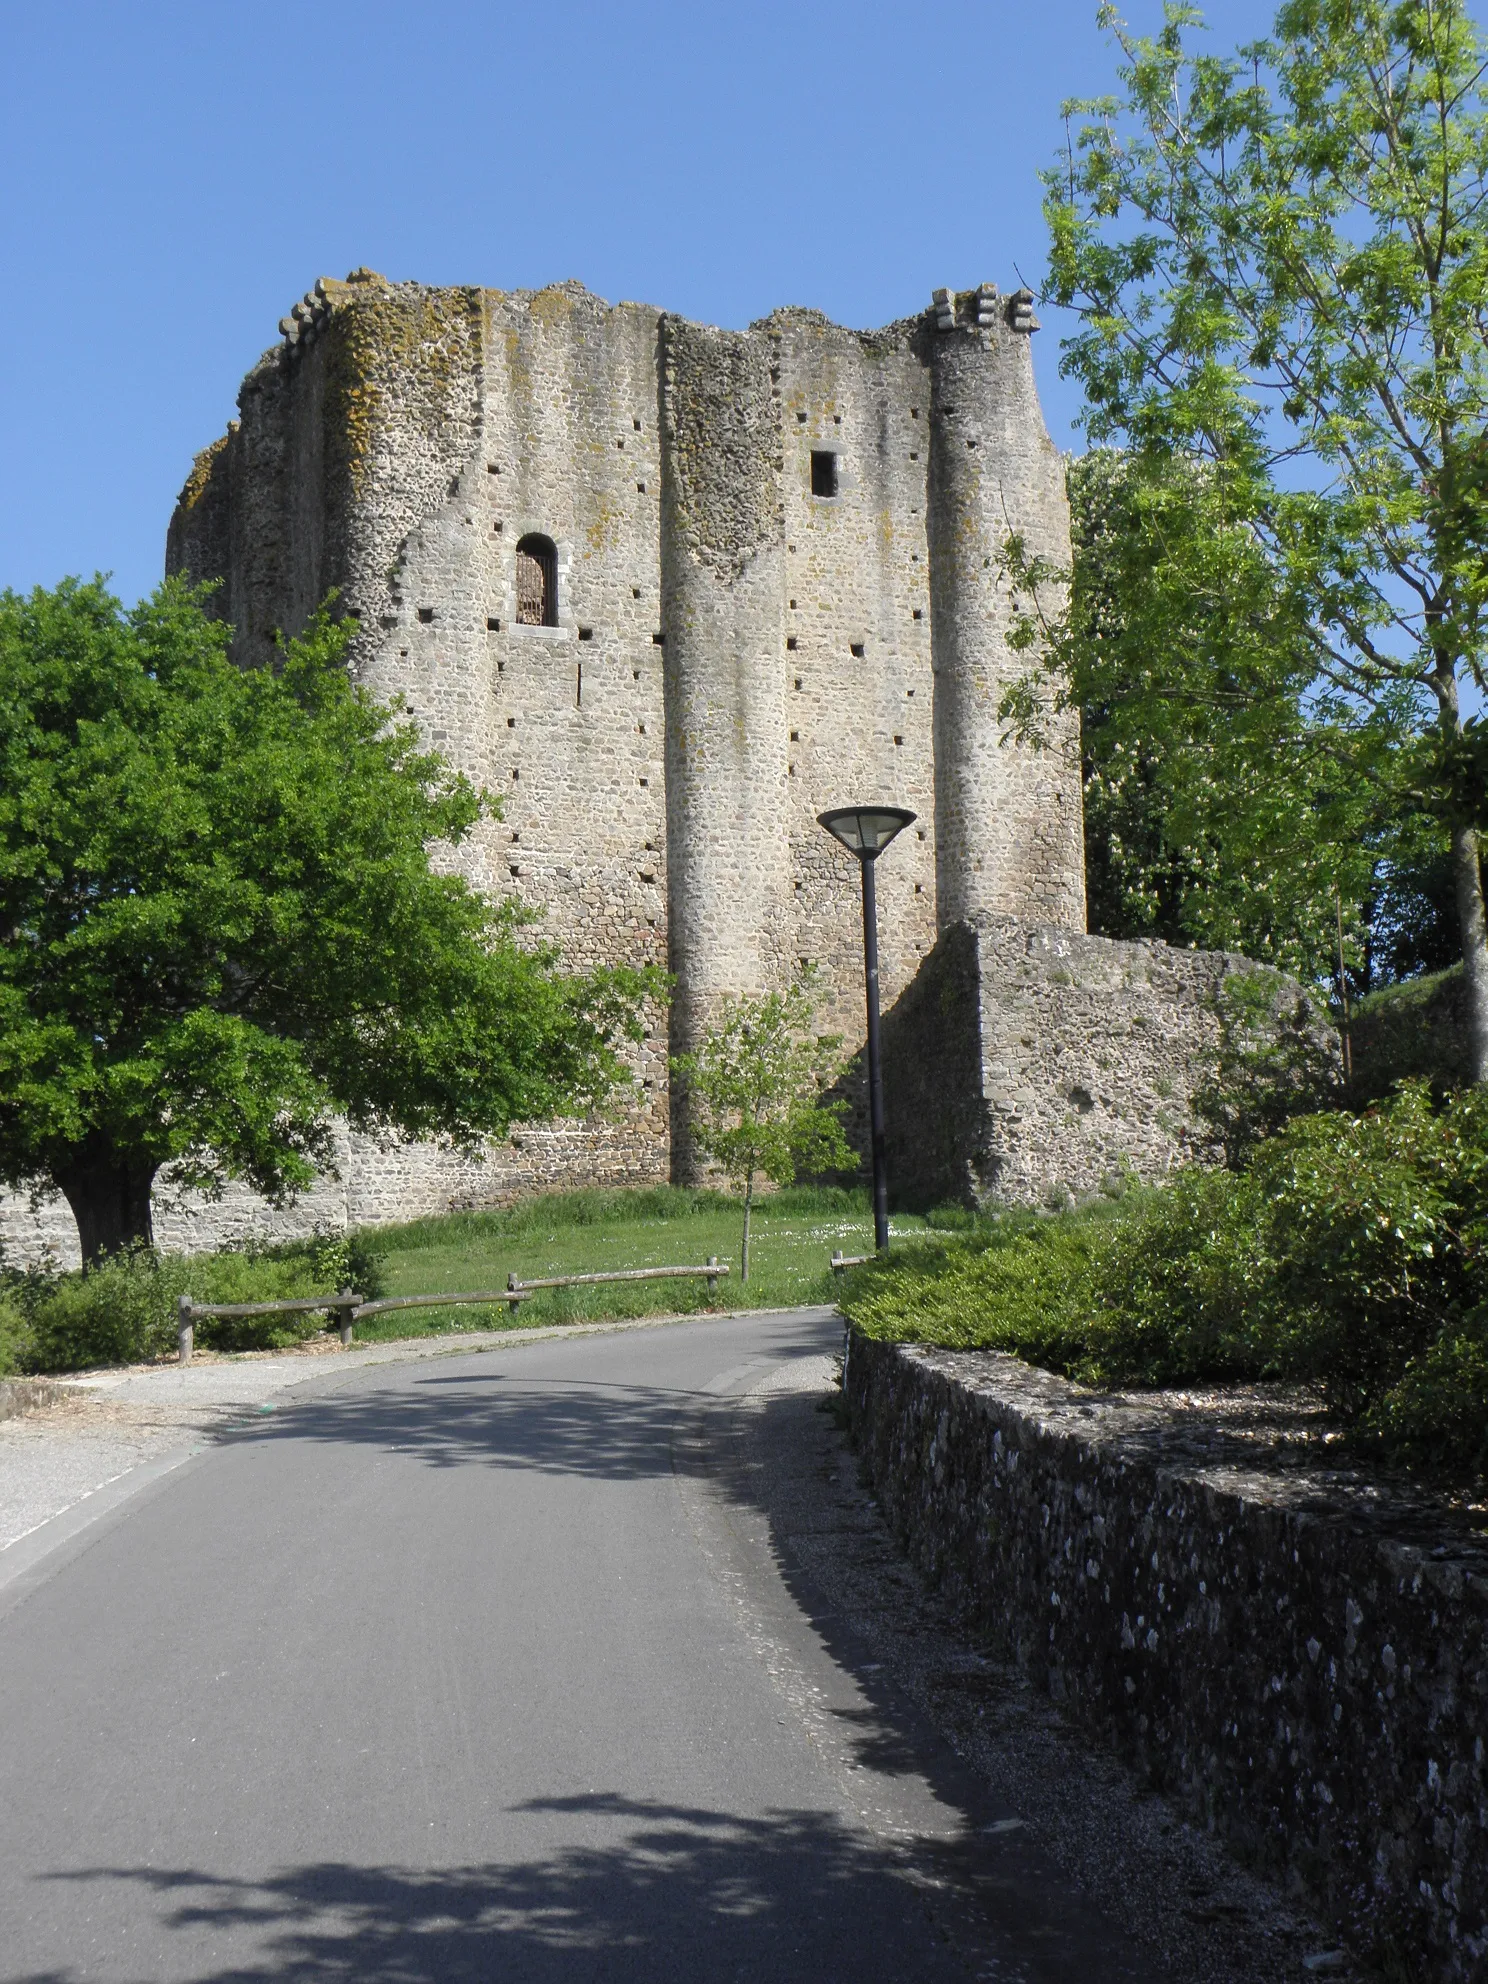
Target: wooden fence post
x,y
348,1303
712,1279
185,1330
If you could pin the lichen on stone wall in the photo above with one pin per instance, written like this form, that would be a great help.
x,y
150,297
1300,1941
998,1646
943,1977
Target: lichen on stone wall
x,y
723,443
398,352
203,468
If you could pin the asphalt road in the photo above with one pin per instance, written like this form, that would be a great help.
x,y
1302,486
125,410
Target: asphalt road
x,y
489,1667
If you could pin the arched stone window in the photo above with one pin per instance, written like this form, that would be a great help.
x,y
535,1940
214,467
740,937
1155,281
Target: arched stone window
x,y
537,582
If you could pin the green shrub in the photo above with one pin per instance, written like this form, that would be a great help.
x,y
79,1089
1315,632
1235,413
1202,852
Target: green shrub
x,y
1181,1287
1437,1414
1350,1254
1023,1286
124,1311
15,1336
1377,1226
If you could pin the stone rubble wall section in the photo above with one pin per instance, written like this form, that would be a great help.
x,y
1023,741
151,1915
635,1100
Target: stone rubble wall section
x,y
1310,1681
377,1185
1029,1065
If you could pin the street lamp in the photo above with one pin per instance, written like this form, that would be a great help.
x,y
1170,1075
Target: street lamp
x,y
866,831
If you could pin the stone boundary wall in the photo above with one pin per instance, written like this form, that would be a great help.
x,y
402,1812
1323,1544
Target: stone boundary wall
x,y
1297,1656
1419,1028
375,1185
1032,1065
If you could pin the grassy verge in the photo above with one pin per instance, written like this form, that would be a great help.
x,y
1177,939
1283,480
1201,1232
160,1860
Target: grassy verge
x,y
795,1233
125,1311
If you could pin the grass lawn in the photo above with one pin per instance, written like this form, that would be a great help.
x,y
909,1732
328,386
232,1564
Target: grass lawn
x,y
792,1238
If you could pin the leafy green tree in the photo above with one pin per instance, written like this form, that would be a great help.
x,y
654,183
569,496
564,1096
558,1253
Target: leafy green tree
x,y
1279,261
1220,809
222,926
754,1086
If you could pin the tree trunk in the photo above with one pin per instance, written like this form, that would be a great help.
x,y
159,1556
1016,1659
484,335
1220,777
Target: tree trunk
x,y
110,1200
748,1205
1467,868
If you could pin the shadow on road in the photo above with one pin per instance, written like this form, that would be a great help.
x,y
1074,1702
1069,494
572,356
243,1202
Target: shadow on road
x,y
943,1881
682,1893
571,1426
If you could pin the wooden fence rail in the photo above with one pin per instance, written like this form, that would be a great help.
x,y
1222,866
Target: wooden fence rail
x,y
713,1270
385,1303
350,1307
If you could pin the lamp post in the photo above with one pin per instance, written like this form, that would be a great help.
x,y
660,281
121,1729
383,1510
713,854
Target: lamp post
x,y
866,831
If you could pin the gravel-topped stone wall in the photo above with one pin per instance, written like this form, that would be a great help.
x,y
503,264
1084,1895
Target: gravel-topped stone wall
x,y
1293,1650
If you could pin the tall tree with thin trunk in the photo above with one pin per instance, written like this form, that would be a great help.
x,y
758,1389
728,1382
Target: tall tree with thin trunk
x,y
220,923
1279,261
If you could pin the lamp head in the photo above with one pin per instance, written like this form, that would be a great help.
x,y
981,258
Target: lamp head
x,y
865,830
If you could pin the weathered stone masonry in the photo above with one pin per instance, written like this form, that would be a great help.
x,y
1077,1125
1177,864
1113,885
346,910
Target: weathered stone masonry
x,y
1029,1064
771,578
739,638
1298,1657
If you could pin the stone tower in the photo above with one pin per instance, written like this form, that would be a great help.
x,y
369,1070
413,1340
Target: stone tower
x,y
668,591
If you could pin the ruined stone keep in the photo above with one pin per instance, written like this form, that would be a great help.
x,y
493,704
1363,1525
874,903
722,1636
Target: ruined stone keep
x,y
669,592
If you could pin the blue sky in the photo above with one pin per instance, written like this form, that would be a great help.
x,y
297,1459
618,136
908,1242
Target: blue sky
x,y
176,176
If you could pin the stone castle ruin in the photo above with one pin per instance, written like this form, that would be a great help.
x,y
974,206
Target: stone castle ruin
x,y
669,592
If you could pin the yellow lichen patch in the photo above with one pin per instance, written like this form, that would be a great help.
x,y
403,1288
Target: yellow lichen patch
x,y
202,467
551,306
604,524
519,376
400,347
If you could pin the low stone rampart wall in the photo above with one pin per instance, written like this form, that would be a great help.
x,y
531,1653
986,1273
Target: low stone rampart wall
x,y
1028,1065
1296,1654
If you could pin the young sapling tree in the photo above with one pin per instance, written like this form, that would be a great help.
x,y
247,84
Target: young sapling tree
x,y
755,1088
